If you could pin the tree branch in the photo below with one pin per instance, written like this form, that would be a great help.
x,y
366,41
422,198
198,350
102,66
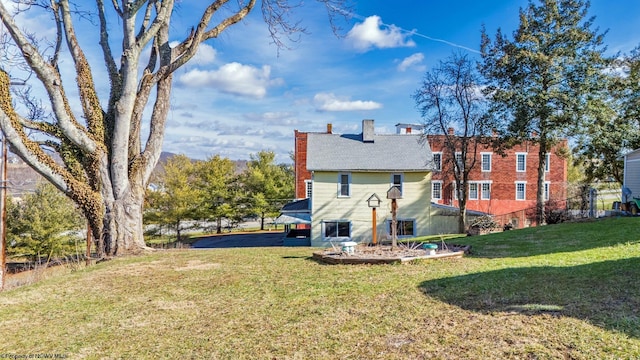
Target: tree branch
x,y
162,18
107,54
52,83
145,21
86,87
188,48
56,51
28,150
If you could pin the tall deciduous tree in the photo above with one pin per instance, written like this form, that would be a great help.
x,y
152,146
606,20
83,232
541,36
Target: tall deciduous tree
x,y
219,183
177,196
106,164
542,80
268,186
452,105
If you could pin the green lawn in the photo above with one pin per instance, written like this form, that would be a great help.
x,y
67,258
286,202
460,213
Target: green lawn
x,y
569,291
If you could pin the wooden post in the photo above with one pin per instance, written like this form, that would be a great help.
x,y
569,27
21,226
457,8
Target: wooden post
x,y
89,239
373,221
3,216
394,193
394,224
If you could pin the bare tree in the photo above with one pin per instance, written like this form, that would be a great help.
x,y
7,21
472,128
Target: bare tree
x,y
451,104
105,165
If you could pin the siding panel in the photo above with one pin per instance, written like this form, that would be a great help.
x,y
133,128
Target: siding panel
x,y
415,203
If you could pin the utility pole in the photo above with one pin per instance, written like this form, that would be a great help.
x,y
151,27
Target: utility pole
x,y
3,216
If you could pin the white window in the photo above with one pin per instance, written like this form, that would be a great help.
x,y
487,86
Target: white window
x,y
547,162
521,162
547,186
454,188
436,190
486,162
473,191
404,227
521,190
333,230
308,184
437,161
396,180
485,192
344,188
459,161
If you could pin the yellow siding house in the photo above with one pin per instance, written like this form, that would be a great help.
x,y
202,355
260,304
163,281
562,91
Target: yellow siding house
x,y
347,170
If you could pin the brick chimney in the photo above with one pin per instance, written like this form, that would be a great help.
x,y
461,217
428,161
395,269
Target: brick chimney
x,y
329,128
367,130
450,131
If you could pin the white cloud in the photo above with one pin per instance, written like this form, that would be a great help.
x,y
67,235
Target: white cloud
x,y
206,54
233,78
374,33
411,61
330,102
274,117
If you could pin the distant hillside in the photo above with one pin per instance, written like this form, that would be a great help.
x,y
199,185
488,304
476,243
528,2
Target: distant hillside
x,y
23,179
241,165
20,176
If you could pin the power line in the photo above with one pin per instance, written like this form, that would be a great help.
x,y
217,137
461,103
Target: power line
x,y
412,32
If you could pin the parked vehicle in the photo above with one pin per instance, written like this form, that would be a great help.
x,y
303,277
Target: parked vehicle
x,y
630,203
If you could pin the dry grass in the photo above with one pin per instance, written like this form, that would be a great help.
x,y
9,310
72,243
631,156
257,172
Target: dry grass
x,y
557,292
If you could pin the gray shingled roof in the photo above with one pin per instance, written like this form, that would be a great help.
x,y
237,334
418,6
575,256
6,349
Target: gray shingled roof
x,y
388,152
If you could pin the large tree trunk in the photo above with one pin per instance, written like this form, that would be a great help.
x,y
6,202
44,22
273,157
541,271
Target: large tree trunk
x,y
463,191
540,200
462,219
123,230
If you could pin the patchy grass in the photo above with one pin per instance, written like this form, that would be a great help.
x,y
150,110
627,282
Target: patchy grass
x,y
560,291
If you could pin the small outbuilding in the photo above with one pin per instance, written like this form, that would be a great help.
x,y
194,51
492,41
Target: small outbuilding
x,y
631,178
296,217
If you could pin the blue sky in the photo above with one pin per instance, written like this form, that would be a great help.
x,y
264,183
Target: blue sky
x,y
240,95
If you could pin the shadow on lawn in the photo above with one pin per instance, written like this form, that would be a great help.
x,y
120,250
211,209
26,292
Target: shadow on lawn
x,y
558,238
605,294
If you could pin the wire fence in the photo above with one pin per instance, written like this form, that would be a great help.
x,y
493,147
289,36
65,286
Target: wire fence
x,y
583,204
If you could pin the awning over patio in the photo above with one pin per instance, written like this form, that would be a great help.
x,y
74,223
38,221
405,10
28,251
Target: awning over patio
x,y
294,218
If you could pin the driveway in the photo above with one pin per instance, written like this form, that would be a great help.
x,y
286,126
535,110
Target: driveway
x,y
260,239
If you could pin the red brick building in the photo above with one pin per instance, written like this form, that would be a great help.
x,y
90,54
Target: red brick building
x,y
502,185
301,174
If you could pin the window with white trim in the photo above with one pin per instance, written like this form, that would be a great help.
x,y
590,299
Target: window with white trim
x,y
485,162
521,190
547,187
437,161
454,188
473,191
485,191
396,180
404,227
459,161
547,162
521,162
344,185
337,229
436,190
308,184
